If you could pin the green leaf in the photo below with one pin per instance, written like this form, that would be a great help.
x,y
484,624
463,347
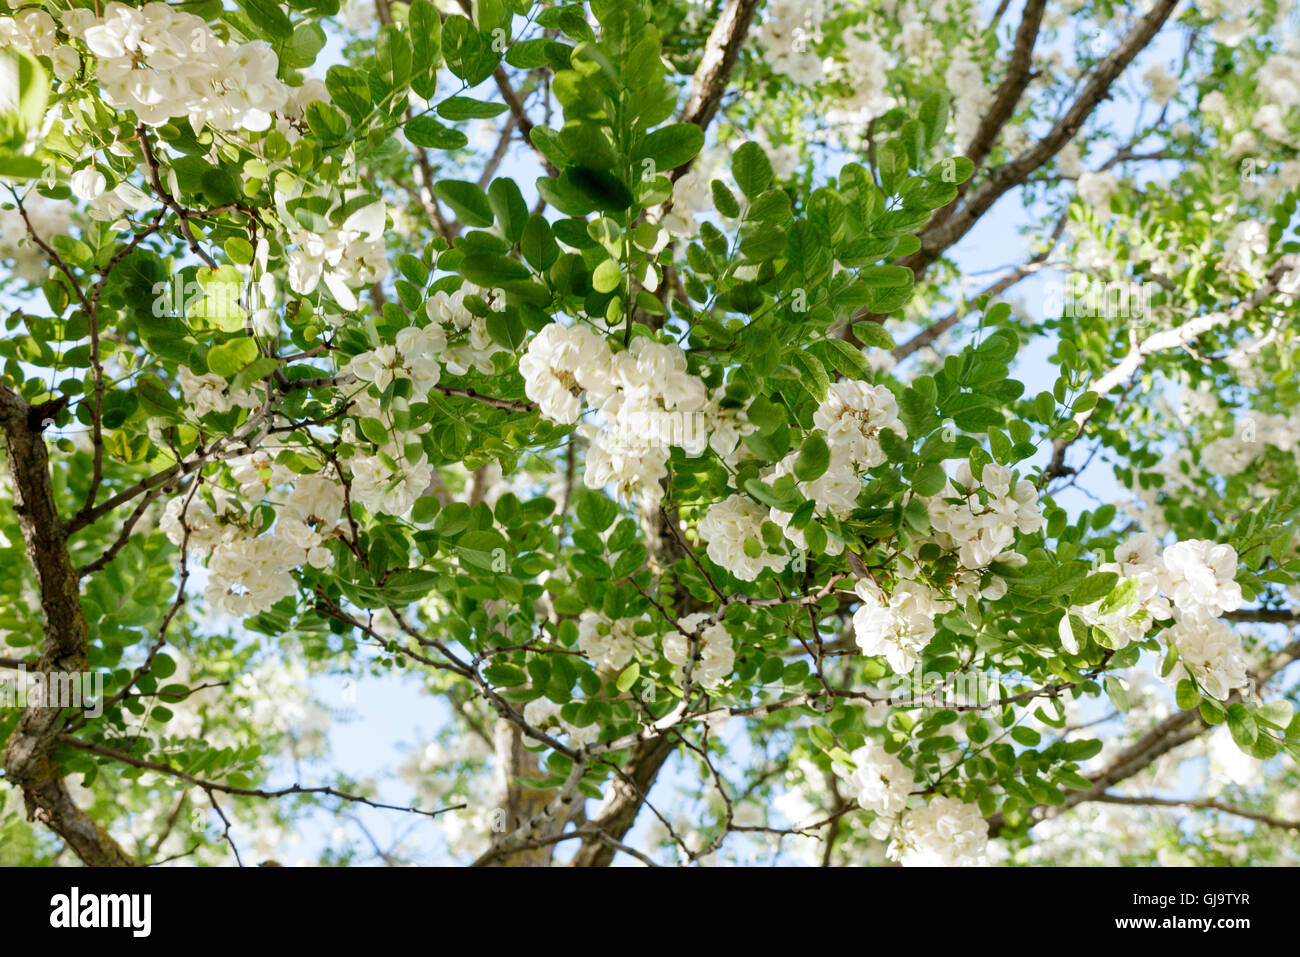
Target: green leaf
x,y
628,678
268,18
1242,725
813,460
424,130
466,108
1186,694
229,357
929,480
1118,696
467,200
670,146
847,359
751,169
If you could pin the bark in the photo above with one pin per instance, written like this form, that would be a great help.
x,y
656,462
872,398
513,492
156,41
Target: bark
x,y
29,760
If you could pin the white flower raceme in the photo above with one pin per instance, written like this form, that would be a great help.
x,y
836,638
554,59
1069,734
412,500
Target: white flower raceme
x,y
944,833
1198,576
880,783
727,525
469,344
163,64
852,415
980,531
898,625
716,655
29,261
965,80
390,487
1162,84
1210,651
208,393
347,258
863,68
691,194
1136,559
250,568
785,38
610,642
834,492
414,357
544,714
561,361
1096,190
649,403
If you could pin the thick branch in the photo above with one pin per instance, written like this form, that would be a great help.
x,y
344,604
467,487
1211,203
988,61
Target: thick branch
x,y
29,754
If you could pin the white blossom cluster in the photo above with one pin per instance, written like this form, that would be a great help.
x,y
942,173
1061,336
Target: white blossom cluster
x,y
725,528
610,643
880,783
163,65
943,833
1096,190
345,259
1233,454
28,261
852,416
970,97
249,568
647,400
468,344
979,520
1191,582
897,625
786,36
716,654
211,393
862,65
35,31
544,715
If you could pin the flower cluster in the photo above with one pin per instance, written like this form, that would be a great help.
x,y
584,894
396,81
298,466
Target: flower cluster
x,y
544,715
716,655
610,643
648,402
944,833
469,346
727,526
166,65
210,393
898,625
1191,582
1096,190
880,783
786,36
979,519
249,569
350,257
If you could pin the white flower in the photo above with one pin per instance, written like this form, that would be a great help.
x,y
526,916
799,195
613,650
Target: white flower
x,y
880,782
207,393
1210,651
853,414
1198,576
611,643
560,362
944,833
88,184
1162,84
899,625
1096,190
716,654
726,526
